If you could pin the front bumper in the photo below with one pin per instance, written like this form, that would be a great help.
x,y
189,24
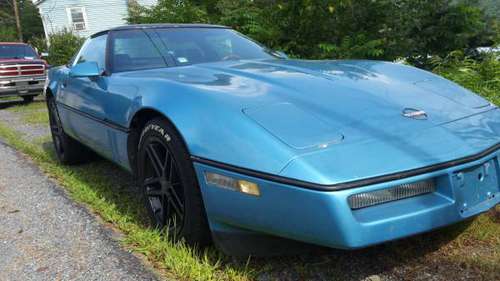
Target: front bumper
x,y
21,86
325,218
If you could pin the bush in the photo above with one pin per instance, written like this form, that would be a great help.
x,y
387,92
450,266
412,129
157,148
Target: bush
x,y
39,43
169,11
479,75
63,46
325,29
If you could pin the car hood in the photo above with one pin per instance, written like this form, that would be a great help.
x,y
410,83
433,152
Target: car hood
x,y
333,114
334,99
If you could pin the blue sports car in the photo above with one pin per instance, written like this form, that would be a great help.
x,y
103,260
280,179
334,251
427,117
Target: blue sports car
x,y
235,143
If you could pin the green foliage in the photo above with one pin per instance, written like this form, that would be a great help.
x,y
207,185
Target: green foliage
x,y
63,46
440,28
40,43
383,29
7,33
481,76
172,11
245,16
30,21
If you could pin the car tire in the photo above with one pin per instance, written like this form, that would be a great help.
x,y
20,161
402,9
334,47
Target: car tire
x,y
169,184
28,99
68,150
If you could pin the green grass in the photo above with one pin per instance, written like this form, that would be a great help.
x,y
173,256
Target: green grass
x,y
33,113
10,98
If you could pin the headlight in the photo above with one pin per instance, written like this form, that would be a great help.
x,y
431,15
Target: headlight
x,y
367,199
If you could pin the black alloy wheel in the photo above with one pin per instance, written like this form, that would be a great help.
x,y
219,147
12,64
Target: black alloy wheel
x,y
168,181
55,127
163,187
68,150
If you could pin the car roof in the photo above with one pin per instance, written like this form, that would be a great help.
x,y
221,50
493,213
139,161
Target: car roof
x,y
160,25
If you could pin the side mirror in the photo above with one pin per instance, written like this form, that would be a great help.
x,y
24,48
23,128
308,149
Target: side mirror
x,y
44,55
85,69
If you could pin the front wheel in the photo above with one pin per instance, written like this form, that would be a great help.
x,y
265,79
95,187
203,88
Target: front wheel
x,y
170,189
68,150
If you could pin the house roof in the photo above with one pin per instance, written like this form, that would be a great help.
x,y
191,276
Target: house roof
x,y
160,25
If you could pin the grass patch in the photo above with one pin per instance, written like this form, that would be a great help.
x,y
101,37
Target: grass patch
x,y
33,113
12,98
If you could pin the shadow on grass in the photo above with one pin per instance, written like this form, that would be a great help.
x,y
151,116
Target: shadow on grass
x,y
117,187
15,101
332,264
6,103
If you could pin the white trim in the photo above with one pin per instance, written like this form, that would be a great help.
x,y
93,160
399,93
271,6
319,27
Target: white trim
x,y
45,28
70,18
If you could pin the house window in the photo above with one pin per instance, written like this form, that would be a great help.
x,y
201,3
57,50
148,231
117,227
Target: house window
x,y
77,18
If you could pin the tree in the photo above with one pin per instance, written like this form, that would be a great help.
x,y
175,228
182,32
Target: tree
x,y
382,29
29,19
171,11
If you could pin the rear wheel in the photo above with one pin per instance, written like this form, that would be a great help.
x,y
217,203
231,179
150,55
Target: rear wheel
x,y
28,99
68,150
170,189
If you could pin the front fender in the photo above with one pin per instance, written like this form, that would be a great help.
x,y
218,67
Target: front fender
x,y
55,77
222,133
212,126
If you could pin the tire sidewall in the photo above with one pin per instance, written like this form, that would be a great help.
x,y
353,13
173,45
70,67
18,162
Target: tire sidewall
x,y
194,214
51,105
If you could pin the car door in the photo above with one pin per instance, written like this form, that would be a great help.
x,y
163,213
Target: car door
x,y
81,100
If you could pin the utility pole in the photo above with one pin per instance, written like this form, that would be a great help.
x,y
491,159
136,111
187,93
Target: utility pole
x,y
18,21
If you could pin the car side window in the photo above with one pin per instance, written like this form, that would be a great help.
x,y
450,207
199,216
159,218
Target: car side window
x,y
134,50
94,50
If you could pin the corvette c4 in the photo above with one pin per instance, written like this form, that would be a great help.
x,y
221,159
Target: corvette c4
x,y
231,141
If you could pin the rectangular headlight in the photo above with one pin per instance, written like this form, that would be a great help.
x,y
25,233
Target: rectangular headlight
x,y
226,182
367,199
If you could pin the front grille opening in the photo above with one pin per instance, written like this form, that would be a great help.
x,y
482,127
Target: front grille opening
x,y
33,82
367,199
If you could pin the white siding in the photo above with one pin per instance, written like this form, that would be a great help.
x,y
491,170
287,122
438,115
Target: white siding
x,y
100,14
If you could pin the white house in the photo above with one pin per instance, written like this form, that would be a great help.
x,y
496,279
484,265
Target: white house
x,y
84,17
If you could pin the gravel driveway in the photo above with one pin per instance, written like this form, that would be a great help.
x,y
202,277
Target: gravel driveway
x,y
45,236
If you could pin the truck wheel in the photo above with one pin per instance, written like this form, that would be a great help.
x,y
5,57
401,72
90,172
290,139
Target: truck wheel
x,y
28,99
68,150
171,193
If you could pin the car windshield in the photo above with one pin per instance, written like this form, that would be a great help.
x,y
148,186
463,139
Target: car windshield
x,y
15,51
199,45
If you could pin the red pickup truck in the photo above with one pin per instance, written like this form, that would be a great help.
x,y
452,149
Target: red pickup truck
x,y
22,71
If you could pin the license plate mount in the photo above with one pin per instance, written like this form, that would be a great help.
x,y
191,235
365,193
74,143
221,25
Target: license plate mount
x,y
476,188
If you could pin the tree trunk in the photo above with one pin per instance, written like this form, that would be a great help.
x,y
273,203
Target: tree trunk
x,y
18,21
